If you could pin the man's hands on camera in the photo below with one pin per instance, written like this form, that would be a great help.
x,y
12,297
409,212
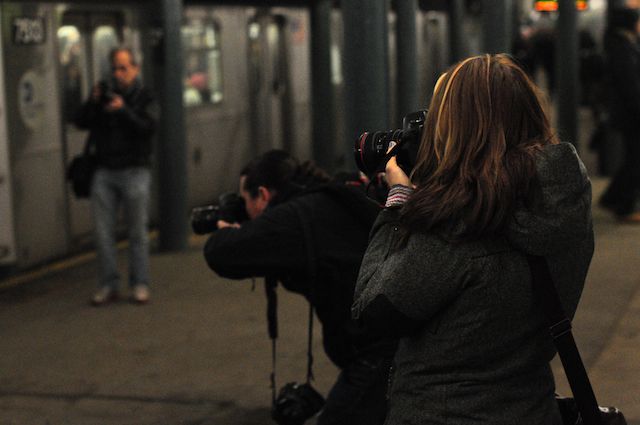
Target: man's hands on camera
x,y
222,224
116,103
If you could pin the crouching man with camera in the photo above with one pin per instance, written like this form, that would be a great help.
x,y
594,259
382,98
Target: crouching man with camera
x,y
311,235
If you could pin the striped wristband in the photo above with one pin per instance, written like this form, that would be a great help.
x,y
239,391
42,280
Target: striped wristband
x,y
398,195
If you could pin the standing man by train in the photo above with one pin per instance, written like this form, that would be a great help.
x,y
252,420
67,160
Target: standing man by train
x,y
117,114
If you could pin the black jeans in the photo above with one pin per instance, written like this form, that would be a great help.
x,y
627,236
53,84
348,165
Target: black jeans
x,y
359,396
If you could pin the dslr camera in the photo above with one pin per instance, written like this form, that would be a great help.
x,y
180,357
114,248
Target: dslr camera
x,y
296,403
370,150
230,208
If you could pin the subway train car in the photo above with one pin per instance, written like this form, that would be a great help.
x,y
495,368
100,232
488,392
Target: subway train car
x,y
246,89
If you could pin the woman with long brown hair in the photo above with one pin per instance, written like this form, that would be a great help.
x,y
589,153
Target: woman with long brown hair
x,y
446,268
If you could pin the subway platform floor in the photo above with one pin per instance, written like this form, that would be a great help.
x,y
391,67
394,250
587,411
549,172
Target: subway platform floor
x,y
198,353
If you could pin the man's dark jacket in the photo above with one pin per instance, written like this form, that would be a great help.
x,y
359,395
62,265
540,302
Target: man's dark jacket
x,y
313,243
623,67
121,138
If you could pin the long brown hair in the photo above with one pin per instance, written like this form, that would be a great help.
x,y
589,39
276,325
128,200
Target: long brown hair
x,y
477,155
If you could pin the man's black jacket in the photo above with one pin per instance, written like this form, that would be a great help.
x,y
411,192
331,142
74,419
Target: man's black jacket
x,y
623,66
122,138
313,243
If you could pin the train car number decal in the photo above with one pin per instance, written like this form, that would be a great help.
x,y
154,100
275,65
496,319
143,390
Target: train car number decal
x,y
27,31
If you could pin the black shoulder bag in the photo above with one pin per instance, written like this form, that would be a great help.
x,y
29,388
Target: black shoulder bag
x,y
81,170
583,408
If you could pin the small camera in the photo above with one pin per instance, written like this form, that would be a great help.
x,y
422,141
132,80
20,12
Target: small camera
x,y
230,208
370,150
106,92
296,403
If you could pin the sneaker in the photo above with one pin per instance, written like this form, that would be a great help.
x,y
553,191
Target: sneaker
x,y
140,294
104,296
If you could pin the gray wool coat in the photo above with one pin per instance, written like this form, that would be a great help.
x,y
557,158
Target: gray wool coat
x,y
481,350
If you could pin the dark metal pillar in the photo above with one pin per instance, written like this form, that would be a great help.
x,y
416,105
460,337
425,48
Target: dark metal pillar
x,y
516,14
365,70
612,5
172,145
407,57
567,70
497,25
322,98
456,21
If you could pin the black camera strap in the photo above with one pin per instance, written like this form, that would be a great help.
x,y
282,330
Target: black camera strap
x,y
271,283
311,269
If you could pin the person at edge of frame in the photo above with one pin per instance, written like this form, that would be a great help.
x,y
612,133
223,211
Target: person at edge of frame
x,y
446,269
622,53
120,123
311,234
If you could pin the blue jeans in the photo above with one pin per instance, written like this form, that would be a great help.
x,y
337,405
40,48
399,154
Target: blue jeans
x,y
110,189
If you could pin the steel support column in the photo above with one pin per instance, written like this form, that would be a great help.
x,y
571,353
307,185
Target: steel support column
x,y
567,70
365,69
407,57
456,21
172,141
323,105
497,25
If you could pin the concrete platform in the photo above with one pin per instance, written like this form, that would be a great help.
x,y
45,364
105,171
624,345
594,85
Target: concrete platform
x,y
199,352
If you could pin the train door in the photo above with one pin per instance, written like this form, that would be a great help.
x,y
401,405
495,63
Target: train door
x,y
270,88
7,238
84,42
33,132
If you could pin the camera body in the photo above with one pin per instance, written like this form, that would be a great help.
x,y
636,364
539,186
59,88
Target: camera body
x,y
296,403
106,92
230,208
370,150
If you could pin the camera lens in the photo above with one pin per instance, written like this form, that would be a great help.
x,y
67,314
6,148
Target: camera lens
x,y
204,219
370,150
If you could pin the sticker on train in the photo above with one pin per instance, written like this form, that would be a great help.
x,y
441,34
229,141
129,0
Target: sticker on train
x,y
28,31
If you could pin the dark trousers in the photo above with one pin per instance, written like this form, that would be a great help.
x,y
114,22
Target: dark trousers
x,y
623,193
359,395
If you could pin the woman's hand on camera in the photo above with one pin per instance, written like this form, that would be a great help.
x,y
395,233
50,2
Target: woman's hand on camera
x,y
396,175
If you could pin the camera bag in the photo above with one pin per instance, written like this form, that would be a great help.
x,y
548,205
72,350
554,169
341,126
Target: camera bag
x,y
81,169
583,408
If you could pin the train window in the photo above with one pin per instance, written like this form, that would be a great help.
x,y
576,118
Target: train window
x,y
73,74
105,39
203,63
336,65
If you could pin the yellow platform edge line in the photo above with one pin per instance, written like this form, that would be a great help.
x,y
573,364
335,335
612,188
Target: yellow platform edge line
x,y
76,260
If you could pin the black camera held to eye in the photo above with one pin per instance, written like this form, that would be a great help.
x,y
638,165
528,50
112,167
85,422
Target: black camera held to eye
x,y
106,92
370,150
230,208
295,404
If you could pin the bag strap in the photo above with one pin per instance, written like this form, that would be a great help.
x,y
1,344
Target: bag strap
x,y
271,283
560,328
89,146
